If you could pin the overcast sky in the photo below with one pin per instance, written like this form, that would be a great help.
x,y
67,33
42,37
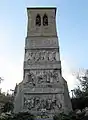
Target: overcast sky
x,y
72,27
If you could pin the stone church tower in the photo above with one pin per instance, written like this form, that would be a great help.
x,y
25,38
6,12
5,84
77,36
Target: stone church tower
x,y
43,89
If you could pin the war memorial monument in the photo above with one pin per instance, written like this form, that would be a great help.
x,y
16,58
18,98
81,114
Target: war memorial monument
x,y
43,89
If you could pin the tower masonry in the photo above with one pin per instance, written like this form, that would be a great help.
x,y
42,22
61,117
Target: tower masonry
x,y
43,90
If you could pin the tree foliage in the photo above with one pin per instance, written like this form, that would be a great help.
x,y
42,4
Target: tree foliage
x,y
18,116
82,91
80,101
70,116
8,107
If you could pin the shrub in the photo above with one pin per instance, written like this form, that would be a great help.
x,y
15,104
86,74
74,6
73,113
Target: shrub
x,y
23,116
19,116
62,116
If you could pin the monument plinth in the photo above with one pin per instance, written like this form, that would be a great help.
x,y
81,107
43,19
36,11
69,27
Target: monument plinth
x,y
43,89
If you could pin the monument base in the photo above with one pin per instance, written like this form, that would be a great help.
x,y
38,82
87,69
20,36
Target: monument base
x,y
44,103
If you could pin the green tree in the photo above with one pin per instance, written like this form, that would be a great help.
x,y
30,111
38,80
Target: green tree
x,y
82,91
8,107
80,101
62,116
23,116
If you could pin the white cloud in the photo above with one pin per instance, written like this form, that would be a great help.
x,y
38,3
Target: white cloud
x,y
68,69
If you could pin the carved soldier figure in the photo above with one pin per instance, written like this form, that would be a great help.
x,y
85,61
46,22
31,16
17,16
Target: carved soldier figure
x,y
43,104
46,55
51,76
27,103
30,103
43,55
38,56
49,102
40,77
37,103
48,77
52,56
44,75
56,103
33,57
30,57
31,78
55,75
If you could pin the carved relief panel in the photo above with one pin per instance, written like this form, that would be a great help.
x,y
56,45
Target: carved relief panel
x,y
48,102
36,77
35,56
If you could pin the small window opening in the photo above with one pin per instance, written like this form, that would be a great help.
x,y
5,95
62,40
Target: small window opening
x,y
45,20
38,20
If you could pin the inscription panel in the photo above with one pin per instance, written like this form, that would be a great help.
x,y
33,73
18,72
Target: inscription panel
x,y
41,42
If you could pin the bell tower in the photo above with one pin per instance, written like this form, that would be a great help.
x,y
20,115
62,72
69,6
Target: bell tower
x,y
41,22
43,89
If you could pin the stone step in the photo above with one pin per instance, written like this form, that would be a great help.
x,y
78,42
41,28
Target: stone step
x,y
44,119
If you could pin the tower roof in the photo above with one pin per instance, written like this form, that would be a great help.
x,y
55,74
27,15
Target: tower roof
x,y
42,8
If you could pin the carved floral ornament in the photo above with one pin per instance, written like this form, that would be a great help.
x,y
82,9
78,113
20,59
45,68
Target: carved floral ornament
x,y
37,56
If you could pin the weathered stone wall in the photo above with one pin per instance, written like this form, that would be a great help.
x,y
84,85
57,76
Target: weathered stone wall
x,y
43,90
34,30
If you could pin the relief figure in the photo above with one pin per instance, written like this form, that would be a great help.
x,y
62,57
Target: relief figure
x,y
29,103
42,103
31,78
30,56
52,56
55,76
40,77
38,56
44,55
